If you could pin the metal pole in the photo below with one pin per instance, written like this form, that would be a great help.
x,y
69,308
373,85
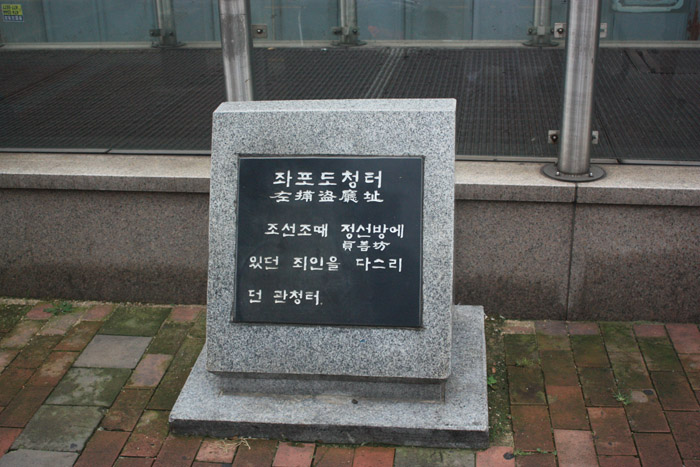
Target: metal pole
x,y
236,45
166,24
348,30
575,137
541,29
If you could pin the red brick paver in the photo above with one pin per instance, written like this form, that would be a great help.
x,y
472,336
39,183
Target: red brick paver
x,y
258,452
526,385
294,455
7,437
575,448
657,449
53,369
686,431
6,357
566,407
685,337
38,313
650,330
178,450
674,391
11,382
35,352
691,362
185,314
630,369
59,325
598,387
618,461
217,450
20,335
639,387
134,462
559,368
518,327
148,436
97,313
149,371
102,449
126,409
79,336
536,460
581,328
23,407
589,351
331,456
496,456
612,433
551,328
531,428
644,412
367,456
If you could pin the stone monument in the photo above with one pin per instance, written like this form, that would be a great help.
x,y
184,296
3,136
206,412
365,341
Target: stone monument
x,y
330,314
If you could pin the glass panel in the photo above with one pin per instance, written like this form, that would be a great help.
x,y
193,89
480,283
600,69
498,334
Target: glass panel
x,y
79,21
648,91
104,96
197,20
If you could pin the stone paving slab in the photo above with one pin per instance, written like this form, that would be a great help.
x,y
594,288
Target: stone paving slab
x,y
425,457
135,321
33,458
89,386
583,393
59,428
113,352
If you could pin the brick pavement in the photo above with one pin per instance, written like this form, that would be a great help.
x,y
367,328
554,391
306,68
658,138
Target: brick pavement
x,y
609,394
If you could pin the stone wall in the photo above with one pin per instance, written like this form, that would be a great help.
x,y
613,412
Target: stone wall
x,y
130,228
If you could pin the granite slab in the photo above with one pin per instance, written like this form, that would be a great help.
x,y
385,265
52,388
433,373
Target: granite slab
x,y
371,128
460,420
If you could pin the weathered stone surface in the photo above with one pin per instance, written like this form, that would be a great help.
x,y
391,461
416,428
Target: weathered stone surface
x,y
384,128
89,386
59,428
460,421
135,321
113,352
32,458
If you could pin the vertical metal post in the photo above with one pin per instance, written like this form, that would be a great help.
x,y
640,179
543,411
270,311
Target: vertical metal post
x,y
165,14
576,136
348,30
237,46
541,30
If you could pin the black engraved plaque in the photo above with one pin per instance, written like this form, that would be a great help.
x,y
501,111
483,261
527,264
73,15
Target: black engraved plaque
x,y
329,240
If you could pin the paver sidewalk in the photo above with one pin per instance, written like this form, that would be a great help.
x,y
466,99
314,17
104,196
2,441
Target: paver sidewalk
x,y
92,384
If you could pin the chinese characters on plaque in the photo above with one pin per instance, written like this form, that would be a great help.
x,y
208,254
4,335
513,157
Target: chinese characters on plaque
x,y
329,240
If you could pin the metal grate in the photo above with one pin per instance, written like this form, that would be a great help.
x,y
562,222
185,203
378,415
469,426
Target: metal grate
x,y
22,69
648,115
507,99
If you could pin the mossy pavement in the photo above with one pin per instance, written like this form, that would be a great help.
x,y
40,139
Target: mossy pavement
x,y
559,394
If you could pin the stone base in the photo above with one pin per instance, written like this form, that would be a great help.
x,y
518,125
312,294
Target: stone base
x,y
459,421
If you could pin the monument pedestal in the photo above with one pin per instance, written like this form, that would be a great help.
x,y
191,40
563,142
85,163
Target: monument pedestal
x,y
329,307
337,413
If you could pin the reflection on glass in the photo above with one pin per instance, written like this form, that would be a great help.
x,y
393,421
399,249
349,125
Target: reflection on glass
x,y
304,21
508,96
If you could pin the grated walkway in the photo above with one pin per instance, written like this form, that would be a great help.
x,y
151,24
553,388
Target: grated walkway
x,y
646,107
93,384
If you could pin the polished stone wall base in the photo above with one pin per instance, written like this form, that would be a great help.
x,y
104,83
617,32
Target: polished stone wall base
x,y
624,247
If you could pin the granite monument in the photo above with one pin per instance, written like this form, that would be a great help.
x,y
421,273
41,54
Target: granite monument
x,y
330,313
